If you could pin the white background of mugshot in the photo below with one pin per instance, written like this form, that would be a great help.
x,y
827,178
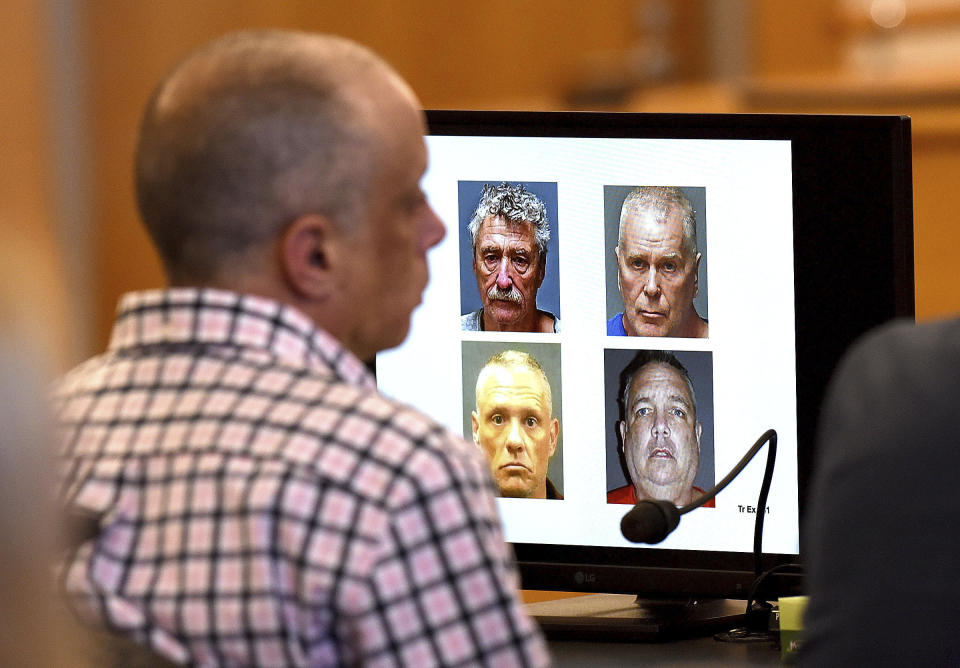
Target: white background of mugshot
x,y
749,239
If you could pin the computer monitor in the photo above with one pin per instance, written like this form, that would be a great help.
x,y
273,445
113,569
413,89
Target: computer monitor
x,y
804,234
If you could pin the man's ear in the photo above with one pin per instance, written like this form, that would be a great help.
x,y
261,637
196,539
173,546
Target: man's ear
x,y
616,253
554,436
622,425
696,276
475,424
308,256
696,462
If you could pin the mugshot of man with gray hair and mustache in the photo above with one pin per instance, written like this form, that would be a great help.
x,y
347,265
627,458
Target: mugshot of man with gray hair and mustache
x,y
509,231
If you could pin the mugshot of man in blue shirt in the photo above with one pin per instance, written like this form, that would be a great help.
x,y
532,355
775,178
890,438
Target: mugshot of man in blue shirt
x,y
657,266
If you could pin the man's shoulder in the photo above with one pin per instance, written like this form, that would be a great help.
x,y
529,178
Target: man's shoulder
x,y
698,492
470,322
625,494
406,421
553,318
895,388
905,352
302,418
395,438
938,338
615,326
87,376
393,457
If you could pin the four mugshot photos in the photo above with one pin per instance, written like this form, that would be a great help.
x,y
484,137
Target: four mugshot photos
x,y
658,403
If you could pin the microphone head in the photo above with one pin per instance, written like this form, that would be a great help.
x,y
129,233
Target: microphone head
x,y
650,521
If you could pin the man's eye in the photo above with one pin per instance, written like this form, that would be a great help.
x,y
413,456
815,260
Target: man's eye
x,y
521,263
669,266
491,259
531,422
497,419
644,411
679,412
638,264
416,200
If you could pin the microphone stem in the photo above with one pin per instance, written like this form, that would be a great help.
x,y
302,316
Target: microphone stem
x,y
762,503
768,435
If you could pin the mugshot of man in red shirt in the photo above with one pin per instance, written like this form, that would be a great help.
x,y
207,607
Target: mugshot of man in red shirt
x,y
660,433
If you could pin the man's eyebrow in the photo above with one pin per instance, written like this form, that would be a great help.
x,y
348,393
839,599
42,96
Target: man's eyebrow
x,y
679,398
646,255
501,406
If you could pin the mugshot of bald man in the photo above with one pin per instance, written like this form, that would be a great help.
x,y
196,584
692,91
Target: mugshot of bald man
x,y
513,424
509,231
657,266
659,430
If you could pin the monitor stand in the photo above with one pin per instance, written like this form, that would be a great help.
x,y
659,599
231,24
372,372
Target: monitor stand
x,y
627,618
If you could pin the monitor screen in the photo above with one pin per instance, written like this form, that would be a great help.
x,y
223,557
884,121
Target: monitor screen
x,y
624,303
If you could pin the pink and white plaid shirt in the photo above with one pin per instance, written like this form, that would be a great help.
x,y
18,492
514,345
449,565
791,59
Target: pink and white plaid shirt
x,y
261,504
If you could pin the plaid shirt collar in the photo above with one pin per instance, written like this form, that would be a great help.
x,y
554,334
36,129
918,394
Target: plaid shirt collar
x,y
192,316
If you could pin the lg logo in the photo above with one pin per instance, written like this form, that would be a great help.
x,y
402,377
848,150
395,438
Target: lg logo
x,y
580,577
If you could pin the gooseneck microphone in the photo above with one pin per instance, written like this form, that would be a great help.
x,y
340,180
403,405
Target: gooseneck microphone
x,y
651,521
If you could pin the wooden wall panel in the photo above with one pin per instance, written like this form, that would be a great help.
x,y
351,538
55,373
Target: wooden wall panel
x,y
501,53
30,257
791,36
498,54
936,165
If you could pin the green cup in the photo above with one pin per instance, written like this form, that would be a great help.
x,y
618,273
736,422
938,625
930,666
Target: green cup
x,y
791,625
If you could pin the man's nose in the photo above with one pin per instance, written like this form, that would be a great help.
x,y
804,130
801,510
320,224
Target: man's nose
x,y
503,275
514,438
651,286
433,230
660,426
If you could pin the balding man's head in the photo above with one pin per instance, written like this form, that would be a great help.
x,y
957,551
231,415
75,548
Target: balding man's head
x,y
288,165
246,134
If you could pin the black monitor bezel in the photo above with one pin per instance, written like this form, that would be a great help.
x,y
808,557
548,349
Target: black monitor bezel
x,y
853,268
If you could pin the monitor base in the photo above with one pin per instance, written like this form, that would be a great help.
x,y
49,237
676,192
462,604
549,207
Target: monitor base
x,y
627,618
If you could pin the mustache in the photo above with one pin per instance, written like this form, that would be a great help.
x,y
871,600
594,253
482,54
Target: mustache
x,y
509,295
